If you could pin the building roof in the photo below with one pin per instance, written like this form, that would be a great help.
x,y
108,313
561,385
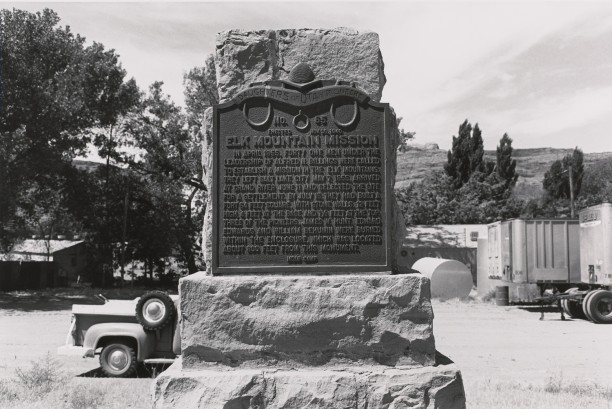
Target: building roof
x,y
39,246
445,235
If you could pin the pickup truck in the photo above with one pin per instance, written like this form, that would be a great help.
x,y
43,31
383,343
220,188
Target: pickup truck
x,y
125,333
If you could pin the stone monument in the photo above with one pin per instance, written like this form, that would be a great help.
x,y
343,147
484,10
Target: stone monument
x,y
299,307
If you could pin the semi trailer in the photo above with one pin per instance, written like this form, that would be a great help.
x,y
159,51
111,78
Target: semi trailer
x,y
534,251
570,261
591,297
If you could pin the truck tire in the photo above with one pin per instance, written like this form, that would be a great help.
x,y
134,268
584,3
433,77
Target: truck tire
x,y
154,310
118,360
585,304
600,307
572,307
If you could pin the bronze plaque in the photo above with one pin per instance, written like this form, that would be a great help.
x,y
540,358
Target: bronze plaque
x,y
301,180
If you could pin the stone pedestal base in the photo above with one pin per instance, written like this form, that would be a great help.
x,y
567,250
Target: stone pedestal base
x,y
370,387
267,342
302,321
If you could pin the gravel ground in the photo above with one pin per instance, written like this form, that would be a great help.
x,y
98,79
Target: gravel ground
x,y
488,342
30,335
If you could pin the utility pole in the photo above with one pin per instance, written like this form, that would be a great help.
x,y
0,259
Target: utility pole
x,y
571,186
124,236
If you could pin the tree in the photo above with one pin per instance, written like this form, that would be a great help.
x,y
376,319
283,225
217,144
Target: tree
x,y
597,182
470,190
45,211
200,89
506,166
428,201
557,178
404,136
466,155
55,91
170,159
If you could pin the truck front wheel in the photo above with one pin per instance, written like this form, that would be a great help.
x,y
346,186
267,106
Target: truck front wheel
x,y
118,360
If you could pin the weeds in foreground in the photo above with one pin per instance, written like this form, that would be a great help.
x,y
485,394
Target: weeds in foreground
x,y
86,398
7,391
556,384
79,393
45,385
42,375
555,393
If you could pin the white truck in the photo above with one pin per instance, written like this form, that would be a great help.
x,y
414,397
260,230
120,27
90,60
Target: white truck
x,y
125,333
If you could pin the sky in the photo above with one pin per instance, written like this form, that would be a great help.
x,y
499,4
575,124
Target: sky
x,y
539,71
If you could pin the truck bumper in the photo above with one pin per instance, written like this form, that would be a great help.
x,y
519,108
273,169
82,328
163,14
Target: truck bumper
x,y
73,350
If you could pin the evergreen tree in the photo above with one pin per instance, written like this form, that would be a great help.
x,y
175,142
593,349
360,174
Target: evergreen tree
x,y
466,155
476,154
506,166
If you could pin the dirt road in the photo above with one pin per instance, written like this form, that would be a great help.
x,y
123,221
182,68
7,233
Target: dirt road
x,y
33,324
511,344
27,335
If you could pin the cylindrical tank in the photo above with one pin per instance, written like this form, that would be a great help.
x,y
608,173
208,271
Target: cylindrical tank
x,y
449,278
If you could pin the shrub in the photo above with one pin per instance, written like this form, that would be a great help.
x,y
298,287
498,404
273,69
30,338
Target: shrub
x,y
42,375
554,383
489,296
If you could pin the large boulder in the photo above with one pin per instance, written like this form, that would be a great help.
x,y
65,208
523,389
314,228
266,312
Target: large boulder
x,y
246,321
359,388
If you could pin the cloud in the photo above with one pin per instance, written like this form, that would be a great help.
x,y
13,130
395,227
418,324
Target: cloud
x,y
561,81
569,111
502,64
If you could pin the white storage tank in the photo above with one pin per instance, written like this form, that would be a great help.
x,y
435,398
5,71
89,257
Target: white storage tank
x,y
449,278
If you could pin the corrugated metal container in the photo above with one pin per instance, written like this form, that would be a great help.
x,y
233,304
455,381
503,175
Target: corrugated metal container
x,y
596,244
534,250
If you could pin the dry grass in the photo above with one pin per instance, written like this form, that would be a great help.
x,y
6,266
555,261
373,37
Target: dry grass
x,y
44,385
556,393
80,393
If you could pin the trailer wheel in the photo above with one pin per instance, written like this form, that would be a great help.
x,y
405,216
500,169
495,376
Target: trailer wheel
x,y
600,307
585,304
572,307
154,310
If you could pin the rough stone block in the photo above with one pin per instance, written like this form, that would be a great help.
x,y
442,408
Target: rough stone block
x,y
306,320
244,57
376,387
